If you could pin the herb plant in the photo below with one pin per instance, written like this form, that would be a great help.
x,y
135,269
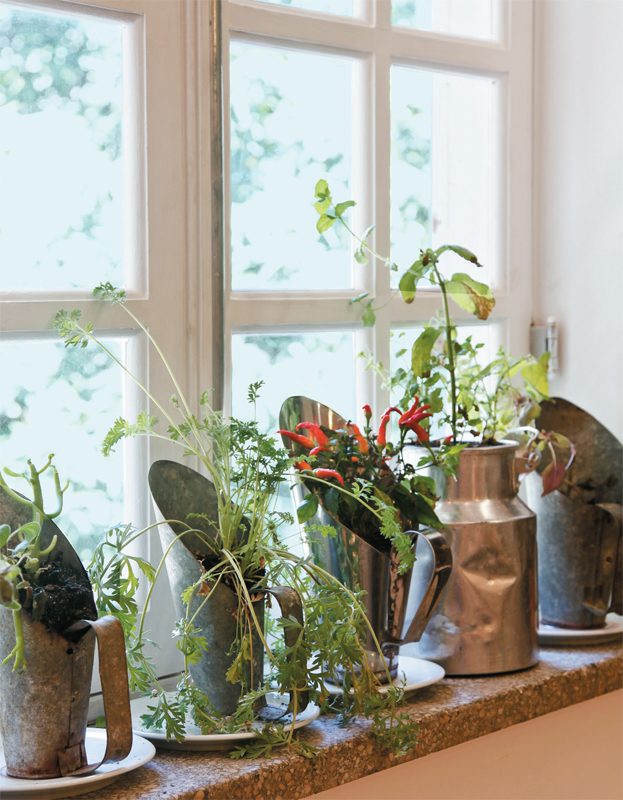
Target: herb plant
x,y
21,553
245,467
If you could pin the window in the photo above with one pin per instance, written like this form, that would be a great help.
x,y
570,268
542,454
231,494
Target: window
x,y
110,171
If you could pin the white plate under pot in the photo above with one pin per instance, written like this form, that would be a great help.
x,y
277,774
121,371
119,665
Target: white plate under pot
x,y
57,788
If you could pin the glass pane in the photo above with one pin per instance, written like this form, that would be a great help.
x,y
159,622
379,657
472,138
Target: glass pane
x,y
401,342
290,126
60,159
63,401
473,18
342,7
443,168
319,365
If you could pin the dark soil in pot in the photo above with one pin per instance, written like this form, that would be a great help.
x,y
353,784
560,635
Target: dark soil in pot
x,y
59,597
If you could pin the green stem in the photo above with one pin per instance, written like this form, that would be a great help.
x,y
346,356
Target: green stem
x,y
450,348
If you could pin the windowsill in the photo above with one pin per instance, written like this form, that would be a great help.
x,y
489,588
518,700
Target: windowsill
x,y
448,713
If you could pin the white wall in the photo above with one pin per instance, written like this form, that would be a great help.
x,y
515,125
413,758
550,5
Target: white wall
x,y
578,264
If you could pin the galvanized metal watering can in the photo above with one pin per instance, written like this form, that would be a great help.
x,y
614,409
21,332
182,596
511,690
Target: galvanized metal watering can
x,y
44,709
486,621
580,542
359,565
177,491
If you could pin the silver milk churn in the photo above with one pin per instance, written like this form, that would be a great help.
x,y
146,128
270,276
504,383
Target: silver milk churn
x,y
486,620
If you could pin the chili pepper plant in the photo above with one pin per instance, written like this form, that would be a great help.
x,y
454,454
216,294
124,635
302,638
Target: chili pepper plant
x,y
478,404
245,467
334,460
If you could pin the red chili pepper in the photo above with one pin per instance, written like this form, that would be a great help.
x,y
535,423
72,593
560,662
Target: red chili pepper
x,y
314,430
361,439
367,413
419,431
305,441
329,473
302,465
411,411
417,417
390,409
382,435
354,458
447,440
315,450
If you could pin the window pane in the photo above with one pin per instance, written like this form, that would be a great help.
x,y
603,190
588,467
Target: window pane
x,y
472,18
60,159
290,126
443,168
341,7
319,365
63,400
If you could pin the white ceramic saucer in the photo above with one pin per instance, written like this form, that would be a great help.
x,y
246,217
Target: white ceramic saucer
x,y
413,674
56,788
548,634
195,740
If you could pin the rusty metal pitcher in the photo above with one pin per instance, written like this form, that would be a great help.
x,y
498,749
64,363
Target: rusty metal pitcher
x,y
44,709
178,490
359,565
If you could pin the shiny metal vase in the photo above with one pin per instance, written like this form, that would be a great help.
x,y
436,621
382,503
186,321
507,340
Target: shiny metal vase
x,y
358,565
486,620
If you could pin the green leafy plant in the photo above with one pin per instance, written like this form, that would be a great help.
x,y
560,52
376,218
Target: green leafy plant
x,y
246,468
479,404
21,555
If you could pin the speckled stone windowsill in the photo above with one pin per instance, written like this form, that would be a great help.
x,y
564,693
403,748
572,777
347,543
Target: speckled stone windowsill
x,y
448,713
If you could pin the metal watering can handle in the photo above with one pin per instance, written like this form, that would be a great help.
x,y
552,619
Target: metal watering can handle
x,y
600,597
116,693
442,557
290,604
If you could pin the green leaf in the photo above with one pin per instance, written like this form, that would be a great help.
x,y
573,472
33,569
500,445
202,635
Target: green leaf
x,y
536,375
425,513
308,507
330,500
421,350
360,256
322,189
460,251
471,295
5,532
324,223
322,205
340,208
369,317
407,285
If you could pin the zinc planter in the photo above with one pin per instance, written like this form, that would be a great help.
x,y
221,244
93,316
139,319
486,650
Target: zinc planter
x,y
177,491
44,708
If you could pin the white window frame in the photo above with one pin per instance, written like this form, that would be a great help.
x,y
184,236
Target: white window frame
x,y
377,44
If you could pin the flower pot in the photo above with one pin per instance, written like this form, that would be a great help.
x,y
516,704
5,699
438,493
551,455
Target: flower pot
x,y
43,709
580,536
177,491
359,565
486,621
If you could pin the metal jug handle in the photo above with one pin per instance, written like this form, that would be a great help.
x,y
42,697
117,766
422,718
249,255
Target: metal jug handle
x,y
115,691
291,606
442,558
600,597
